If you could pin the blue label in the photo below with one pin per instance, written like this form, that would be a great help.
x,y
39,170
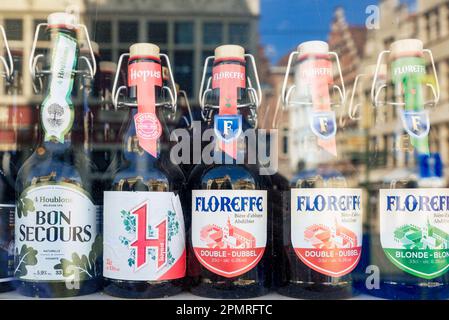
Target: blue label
x,y
323,124
416,123
228,127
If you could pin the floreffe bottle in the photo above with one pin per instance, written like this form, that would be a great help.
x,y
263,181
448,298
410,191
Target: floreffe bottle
x,y
230,242
58,246
409,234
144,233
322,223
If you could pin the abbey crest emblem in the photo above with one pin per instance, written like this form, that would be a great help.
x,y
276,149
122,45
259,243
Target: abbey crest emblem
x,y
416,123
323,124
228,127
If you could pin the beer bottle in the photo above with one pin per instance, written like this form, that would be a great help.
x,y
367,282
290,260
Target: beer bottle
x,y
322,222
230,238
57,247
144,232
409,229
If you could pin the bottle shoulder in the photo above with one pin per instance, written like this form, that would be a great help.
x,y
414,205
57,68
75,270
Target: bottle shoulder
x,y
49,168
227,177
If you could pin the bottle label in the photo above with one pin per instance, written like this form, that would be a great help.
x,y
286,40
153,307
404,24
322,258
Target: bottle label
x,y
229,229
314,78
408,74
146,76
6,242
414,230
56,234
144,238
228,123
57,109
326,228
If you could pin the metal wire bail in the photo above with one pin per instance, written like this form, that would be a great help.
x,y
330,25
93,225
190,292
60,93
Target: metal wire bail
x,y
33,61
376,91
255,93
287,92
171,90
7,65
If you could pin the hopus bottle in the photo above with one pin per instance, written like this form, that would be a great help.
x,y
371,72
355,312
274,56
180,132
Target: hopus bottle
x,y
322,219
409,226
144,231
230,242
57,247
7,201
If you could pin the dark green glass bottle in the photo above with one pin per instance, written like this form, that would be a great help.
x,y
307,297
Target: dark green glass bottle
x,y
58,246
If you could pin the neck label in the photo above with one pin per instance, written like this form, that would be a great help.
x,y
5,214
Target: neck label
x,y
57,110
146,76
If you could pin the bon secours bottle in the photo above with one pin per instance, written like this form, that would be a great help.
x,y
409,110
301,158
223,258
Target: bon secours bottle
x,y
409,241
230,237
144,231
322,223
57,244
7,200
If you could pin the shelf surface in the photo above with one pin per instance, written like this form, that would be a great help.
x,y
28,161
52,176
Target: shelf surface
x,y
182,296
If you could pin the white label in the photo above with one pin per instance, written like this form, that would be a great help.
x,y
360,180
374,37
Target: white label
x,y
56,111
229,229
414,230
326,228
56,234
144,236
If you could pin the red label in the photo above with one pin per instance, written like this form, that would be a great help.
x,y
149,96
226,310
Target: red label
x,y
146,76
317,74
229,262
228,78
331,262
143,242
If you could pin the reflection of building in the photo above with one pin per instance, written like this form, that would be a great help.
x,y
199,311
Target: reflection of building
x,y
229,236
188,31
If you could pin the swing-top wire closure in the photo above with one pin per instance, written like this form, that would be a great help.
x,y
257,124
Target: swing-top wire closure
x,y
34,60
172,93
184,95
286,93
255,94
376,91
7,65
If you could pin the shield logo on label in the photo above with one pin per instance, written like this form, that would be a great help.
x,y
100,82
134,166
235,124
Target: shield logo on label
x,y
323,124
228,127
416,123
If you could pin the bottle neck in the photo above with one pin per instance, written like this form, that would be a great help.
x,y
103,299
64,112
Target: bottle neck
x,y
230,94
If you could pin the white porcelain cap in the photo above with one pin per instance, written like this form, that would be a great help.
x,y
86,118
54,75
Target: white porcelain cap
x,y
308,47
229,51
144,49
61,18
406,45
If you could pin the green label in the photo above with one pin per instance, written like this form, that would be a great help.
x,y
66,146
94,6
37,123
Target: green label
x,y
408,75
57,109
414,230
